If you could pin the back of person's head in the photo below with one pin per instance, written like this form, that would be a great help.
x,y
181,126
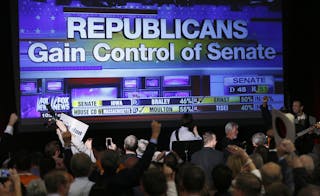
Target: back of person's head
x,y
36,187
80,164
110,160
278,189
257,160
55,181
131,143
270,173
51,148
309,190
98,144
22,160
154,182
247,183
187,121
235,163
46,165
221,177
263,151
209,137
307,163
258,139
229,126
190,178
171,160
142,146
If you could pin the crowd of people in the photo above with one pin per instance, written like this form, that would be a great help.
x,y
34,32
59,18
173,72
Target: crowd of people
x,y
69,166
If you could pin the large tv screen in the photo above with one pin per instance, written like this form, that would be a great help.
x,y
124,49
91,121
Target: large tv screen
x,y
112,61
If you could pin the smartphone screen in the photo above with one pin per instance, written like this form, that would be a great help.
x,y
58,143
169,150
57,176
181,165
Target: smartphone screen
x,y
4,172
4,175
108,141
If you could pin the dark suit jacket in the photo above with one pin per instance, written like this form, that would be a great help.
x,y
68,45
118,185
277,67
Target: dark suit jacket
x,y
207,158
121,183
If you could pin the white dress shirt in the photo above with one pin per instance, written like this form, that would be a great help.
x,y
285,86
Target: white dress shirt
x,y
184,135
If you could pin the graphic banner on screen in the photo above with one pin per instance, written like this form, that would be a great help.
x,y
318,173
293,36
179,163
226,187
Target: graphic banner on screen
x,y
141,58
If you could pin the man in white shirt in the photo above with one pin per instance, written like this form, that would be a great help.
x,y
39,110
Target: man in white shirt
x,y
187,131
80,166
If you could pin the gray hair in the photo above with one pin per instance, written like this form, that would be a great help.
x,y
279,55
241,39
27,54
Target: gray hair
x,y
258,139
229,126
131,143
36,187
142,145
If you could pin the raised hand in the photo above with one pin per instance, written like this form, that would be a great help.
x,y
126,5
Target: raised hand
x,y
13,119
195,131
61,125
156,128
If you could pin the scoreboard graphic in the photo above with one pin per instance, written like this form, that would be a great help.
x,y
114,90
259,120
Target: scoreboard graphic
x,y
148,58
139,96
249,85
166,105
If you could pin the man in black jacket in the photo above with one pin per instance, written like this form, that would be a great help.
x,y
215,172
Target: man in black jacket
x,y
208,157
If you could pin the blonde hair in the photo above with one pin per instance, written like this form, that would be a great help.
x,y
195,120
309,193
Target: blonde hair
x,y
207,137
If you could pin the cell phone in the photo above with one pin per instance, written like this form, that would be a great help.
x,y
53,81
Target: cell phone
x,y
4,172
108,141
4,175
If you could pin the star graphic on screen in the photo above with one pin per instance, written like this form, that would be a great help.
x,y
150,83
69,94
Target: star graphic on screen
x,y
22,30
38,17
52,31
52,17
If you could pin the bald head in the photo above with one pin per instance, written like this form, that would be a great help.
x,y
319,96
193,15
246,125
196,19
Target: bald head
x,y
270,172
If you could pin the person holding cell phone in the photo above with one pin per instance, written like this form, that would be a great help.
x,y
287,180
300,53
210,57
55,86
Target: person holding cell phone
x,y
114,182
10,183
